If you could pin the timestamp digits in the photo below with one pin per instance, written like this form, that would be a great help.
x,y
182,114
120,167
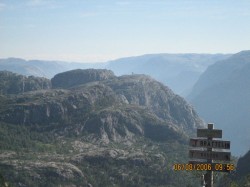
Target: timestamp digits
x,y
182,167
203,167
191,167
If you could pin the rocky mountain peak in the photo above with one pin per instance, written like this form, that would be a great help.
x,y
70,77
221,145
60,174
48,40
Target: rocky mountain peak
x,y
79,76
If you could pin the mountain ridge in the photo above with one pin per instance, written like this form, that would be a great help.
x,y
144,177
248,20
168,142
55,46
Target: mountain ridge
x,y
178,71
126,127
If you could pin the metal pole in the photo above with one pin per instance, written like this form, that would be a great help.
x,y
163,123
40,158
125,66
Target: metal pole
x,y
203,182
209,178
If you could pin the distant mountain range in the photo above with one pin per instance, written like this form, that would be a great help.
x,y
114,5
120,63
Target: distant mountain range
x,y
41,68
222,95
178,71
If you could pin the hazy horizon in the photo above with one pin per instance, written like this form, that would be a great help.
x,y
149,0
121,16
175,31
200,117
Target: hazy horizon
x,y
108,60
97,31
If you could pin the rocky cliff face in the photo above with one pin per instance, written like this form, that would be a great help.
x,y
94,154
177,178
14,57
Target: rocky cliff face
x,y
144,91
112,108
77,77
11,83
99,130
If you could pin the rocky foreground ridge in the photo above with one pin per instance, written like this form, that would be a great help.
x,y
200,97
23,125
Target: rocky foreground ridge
x,y
92,128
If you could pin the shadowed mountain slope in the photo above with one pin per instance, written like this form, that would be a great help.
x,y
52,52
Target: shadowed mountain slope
x,y
222,95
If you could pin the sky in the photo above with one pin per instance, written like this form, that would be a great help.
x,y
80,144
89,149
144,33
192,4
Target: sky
x,y
101,30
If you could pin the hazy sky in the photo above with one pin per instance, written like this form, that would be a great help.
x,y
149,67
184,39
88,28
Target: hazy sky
x,y
99,30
